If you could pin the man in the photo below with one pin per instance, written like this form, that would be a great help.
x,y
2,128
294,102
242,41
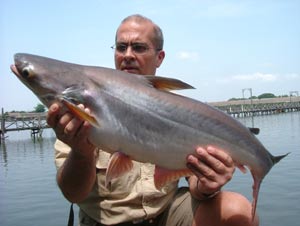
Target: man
x,y
132,199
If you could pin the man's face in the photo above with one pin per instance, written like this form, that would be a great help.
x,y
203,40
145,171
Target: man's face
x,y
135,51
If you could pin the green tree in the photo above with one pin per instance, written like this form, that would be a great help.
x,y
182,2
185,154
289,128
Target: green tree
x,y
266,95
40,108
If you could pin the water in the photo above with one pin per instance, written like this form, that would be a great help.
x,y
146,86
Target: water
x,y
28,191
279,196
29,194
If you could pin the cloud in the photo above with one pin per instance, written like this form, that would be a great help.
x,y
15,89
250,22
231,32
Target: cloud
x,y
223,9
256,77
186,55
259,77
291,76
267,64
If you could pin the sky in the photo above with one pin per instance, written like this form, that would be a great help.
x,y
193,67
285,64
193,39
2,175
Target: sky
x,y
219,47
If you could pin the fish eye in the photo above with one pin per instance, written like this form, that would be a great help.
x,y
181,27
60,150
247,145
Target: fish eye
x,y
27,72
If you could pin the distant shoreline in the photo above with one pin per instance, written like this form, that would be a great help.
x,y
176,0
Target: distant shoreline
x,y
255,101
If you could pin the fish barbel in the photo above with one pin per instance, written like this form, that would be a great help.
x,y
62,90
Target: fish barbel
x,y
134,117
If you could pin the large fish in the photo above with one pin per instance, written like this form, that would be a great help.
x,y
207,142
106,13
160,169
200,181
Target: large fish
x,y
135,117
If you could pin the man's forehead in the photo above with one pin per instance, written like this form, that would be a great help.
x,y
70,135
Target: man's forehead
x,y
135,31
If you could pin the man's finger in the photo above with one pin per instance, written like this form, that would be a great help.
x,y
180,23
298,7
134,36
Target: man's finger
x,y
221,155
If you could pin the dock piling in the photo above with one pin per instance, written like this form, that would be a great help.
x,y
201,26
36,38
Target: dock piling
x,y
16,121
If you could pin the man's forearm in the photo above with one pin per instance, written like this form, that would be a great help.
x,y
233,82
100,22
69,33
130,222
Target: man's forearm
x,y
76,176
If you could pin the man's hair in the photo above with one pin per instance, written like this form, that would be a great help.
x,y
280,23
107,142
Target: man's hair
x,y
158,39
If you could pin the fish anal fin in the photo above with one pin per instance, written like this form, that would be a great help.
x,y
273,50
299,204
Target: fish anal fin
x,y
80,113
241,168
167,84
164,176
118,165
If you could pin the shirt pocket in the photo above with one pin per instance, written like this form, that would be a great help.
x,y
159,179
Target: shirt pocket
x,y
120,187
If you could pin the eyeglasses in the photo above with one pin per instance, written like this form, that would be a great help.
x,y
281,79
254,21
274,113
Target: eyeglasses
x,y
137,47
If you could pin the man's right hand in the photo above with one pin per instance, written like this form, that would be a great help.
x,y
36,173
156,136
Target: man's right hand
x,y
77,175
70,129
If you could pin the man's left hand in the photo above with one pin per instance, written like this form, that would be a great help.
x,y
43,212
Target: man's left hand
x,y
212,169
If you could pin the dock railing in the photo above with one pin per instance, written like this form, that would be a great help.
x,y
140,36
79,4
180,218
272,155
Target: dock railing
x,y
255,107
18,121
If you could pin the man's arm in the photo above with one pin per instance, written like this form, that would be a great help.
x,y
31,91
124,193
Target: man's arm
x,y
213,168
77,175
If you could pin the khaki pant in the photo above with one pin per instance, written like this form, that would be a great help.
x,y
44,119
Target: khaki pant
x,y
179,213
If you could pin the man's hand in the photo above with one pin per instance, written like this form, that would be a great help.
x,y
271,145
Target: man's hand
x,y
70,129
212,167
77,175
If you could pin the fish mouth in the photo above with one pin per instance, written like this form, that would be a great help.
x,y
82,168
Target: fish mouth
x,y
14,69
46,96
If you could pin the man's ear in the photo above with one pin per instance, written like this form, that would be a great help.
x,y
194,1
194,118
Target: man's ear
x,y
160,57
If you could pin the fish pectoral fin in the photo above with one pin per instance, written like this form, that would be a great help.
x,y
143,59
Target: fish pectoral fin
x,y
167,84
118,165
164,176
80,113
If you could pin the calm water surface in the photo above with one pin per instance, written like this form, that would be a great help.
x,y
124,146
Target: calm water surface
x,y
29,194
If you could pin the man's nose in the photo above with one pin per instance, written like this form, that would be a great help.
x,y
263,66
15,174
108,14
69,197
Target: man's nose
x,y
129,52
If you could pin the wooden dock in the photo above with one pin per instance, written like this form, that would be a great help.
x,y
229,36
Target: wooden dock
x,y
35,122
256,107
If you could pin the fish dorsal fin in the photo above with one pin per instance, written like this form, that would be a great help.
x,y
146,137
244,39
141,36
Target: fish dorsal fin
x,y
167,84
254,130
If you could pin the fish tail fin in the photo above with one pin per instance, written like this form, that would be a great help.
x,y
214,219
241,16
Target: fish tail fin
x,y
256,187
257,182
276,159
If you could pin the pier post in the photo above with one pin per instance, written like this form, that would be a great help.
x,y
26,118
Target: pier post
x,y
2,129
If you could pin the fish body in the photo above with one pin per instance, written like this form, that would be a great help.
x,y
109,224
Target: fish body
x,y
135,117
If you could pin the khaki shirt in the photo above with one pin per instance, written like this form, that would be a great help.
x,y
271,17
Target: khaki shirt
x,y
131,197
